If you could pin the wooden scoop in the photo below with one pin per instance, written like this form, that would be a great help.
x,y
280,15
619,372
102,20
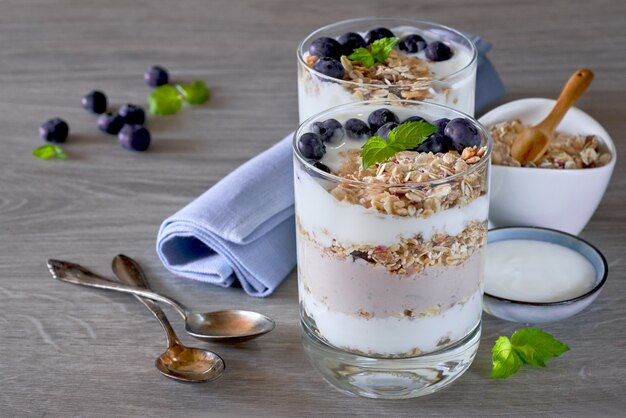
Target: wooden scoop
x,y
533,142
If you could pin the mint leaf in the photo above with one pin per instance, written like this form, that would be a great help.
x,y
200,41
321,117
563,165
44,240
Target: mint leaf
x,y
506,362
411,134
378,52
375,150
165,100
381,48
527,346
363,56
195,93
401,138
45,152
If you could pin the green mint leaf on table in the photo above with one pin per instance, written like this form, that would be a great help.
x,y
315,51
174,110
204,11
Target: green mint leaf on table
x,y
401,138
527,346
378,52
195,93
45,152
165,100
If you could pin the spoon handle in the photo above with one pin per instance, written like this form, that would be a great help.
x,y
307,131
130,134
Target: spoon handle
x,y
76,274
128,271
574,88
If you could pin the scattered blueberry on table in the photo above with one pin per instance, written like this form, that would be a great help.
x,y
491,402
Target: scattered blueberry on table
x,y
110,123
134,137
156,76
133,115
54,130
95,102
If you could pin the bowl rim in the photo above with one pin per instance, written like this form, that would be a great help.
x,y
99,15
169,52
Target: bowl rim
x,y
569,301
537,101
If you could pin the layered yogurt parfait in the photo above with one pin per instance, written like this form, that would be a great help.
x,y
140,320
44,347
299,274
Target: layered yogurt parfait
x,y
391,216
378,58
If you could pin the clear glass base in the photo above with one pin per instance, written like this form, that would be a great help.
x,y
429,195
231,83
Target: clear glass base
x,y
398,378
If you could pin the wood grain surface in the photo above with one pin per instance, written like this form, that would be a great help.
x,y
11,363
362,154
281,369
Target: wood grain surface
x,y
71,351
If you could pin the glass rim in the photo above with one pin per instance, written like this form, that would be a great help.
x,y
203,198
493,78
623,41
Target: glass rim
x,y
388,102
472,47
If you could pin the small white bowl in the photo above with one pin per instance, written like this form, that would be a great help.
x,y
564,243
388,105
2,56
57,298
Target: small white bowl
x,y
542,312
552,198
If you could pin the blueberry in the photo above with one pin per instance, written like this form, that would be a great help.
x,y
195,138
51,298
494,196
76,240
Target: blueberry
x,y
438,51
329,130
111,123
441,124
378,33
414,119
435,143
381,116
462,133
156,76
383,131
326,48
350,41
54,130
322,167
311,146
412,44
357,129
330,67
95,102
133,115
134,137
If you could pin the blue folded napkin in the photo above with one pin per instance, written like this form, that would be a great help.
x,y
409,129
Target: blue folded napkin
x,y
242,229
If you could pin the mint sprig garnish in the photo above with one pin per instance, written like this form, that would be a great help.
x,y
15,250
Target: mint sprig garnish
x,y
401,138
195,93
45,152
377,52
530,346
165,100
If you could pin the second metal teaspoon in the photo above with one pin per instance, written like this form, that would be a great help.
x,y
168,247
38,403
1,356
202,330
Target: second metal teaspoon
x,y
230,326
179,362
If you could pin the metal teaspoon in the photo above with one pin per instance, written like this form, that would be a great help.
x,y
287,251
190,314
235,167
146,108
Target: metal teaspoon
x,y
178,362
229,326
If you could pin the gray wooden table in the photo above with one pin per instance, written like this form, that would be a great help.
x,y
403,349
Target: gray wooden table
x,y
71,351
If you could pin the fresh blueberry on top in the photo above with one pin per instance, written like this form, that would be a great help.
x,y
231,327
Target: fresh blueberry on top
x,y
383,131
462,133
134,137
438,51
95,102
412,44
378,33
329,130
330,67
435,143
54,130
326,48
350,41
311,146
111,123
156,76
322,167
414,119
441,124
133,115
357,129
381,116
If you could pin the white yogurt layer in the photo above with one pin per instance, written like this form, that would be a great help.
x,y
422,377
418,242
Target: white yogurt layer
x,y
315,96
536,271
394,336
328,219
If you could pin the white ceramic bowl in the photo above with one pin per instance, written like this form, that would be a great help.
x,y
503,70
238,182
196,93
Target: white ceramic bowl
x,y
559,199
